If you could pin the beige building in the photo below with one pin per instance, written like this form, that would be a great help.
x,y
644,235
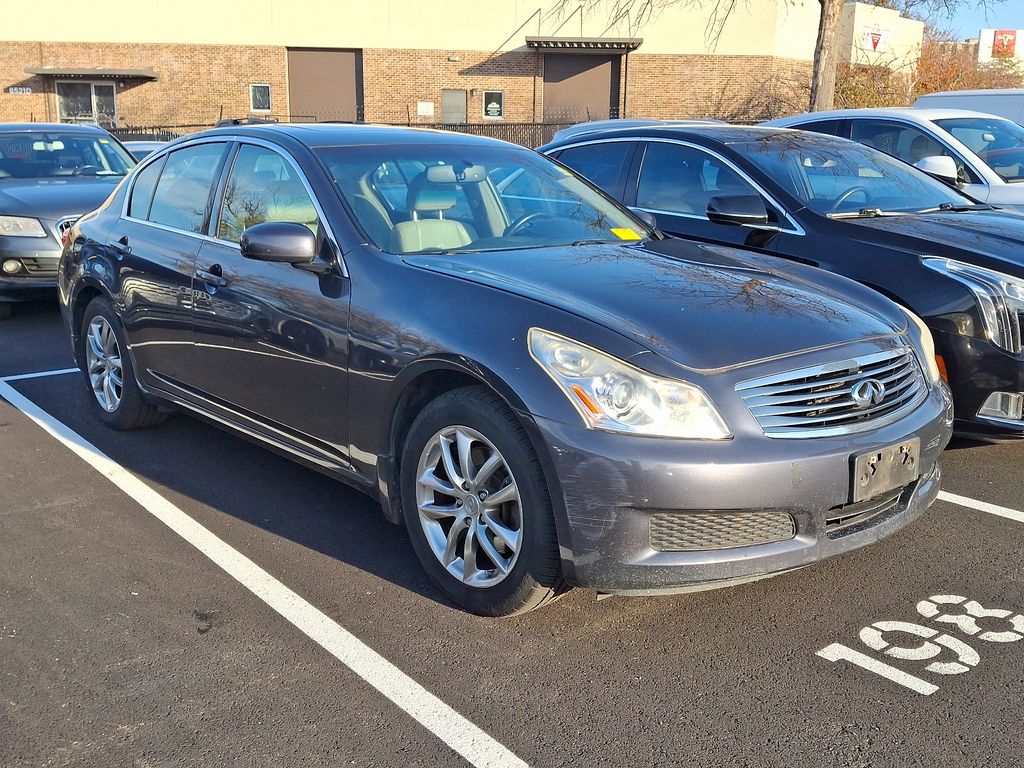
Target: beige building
x,y
410,61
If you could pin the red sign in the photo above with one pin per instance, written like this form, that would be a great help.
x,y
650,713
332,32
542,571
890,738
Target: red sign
x,y
1004,44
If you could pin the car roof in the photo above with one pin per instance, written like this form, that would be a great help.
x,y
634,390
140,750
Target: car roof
x,y
625,122
719,132
35,127
914,114
978,92
343,134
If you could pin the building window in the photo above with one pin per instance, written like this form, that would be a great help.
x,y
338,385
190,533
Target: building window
x,y
259,97
80,101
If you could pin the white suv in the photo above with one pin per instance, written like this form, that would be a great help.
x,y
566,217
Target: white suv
x,y
988,151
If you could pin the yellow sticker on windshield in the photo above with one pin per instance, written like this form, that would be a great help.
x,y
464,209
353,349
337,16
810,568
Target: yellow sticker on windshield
x,y
625,233
104,141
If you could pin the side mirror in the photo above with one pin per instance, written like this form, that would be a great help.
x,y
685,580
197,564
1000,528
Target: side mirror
x,y
738,210
941,167
646,217
279,241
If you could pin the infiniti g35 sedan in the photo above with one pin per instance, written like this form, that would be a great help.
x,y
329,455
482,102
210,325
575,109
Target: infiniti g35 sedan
x,y
49,176
851,209
547,392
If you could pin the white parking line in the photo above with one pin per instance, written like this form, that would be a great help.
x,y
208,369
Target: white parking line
x,y
982,506
445,723
39,374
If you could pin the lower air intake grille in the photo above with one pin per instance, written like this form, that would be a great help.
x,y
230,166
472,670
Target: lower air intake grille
x,y
677,532
849,518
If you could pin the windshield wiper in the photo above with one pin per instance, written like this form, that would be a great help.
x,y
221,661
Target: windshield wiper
x,y
600,242
956,208
863,213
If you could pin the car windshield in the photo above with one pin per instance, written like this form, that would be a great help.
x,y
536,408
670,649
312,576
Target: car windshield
x,y
443,198
36,155
999,143
835,176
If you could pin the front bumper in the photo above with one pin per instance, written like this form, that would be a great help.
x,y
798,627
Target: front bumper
x,y
39,259
977,368
611,486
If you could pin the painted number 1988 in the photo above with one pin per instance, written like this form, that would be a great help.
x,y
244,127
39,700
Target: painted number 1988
x,y
952,656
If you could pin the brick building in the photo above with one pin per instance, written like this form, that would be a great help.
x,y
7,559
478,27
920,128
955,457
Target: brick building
x,y
398,61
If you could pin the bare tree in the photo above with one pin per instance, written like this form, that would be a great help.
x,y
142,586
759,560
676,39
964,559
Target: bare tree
x,y
826,55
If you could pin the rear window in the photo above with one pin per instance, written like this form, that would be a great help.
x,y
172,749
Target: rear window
x,y
183,191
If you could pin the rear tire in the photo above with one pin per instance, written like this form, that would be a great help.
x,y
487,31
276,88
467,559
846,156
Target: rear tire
x,y
473,492
109,375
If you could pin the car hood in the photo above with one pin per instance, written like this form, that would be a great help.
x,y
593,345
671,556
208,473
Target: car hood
x,y
995,236
54,198
705,307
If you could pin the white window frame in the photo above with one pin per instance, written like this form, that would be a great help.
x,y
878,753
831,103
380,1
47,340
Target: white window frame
x,y
92,90
270,98
483,106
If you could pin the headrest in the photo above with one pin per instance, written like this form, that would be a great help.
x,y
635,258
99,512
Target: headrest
x,y
424,196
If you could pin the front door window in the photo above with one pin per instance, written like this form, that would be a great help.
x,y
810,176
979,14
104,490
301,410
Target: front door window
x,y
83,102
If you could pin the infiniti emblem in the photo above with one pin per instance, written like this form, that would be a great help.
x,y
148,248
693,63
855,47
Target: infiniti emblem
x,y
868,393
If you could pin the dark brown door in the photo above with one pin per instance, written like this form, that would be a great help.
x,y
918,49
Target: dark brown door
x,y
325,84
580,87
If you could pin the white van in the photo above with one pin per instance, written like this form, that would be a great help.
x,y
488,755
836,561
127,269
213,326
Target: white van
x,y
1004,102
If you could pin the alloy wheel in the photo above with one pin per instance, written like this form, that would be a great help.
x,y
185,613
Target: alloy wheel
x,y
469,506
103,363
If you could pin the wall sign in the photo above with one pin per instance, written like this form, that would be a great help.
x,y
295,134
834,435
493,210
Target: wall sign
x,y
875,39
424,109
19,89
1004,44
494,104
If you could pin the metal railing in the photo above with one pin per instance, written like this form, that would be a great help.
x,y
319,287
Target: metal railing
x,y
525,134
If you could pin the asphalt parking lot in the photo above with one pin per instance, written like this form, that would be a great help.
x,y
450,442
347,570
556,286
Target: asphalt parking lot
x,y
182,597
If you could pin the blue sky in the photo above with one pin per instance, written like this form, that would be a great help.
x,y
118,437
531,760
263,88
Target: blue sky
x,y
1007,15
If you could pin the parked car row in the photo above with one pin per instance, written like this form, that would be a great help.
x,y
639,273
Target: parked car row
x,y
508,350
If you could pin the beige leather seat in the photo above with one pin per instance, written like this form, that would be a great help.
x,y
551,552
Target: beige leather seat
x,y
421,234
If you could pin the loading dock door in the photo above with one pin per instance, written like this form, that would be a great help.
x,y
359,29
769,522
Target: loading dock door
x,y
580,87
325,84
453,107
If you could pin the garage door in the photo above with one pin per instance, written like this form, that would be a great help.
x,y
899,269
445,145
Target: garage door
x,y
325,84
580,87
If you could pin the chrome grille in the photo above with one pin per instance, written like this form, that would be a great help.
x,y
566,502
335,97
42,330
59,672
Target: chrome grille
x,y
694,532
819,401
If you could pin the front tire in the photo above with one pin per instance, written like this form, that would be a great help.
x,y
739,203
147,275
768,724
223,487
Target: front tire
x,y
477,507
108,371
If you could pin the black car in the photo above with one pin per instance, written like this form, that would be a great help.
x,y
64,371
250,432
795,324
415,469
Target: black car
x,y
49,176
850,209
544,389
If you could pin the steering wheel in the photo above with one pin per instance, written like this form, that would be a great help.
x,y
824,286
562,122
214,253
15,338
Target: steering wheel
x,y
521,223
83,170
847,195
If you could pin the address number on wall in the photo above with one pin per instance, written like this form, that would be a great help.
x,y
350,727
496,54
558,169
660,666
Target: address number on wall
x,y
19,89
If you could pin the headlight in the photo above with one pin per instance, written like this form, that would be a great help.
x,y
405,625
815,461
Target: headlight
x,y
21,226
925,347
614,396
1000,299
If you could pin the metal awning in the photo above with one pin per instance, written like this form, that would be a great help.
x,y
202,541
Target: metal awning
x,y
585,44
85,73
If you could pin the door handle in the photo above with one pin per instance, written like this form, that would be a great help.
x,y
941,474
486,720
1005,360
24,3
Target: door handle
x,y
212,276
121,245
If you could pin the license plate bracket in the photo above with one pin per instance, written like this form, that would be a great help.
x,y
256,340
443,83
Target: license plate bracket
x,y
885,469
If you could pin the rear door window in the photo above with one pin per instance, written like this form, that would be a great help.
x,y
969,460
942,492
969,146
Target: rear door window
x,y
601,163
182,195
